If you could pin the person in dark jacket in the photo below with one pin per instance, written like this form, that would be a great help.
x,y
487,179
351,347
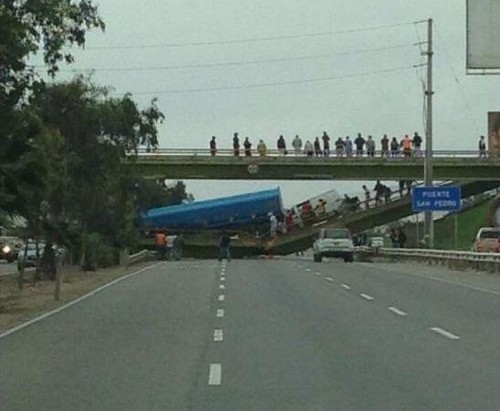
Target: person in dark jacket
x,y
224,250
236,145
359,142
248,147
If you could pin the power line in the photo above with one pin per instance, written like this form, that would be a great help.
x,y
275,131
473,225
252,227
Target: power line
x,y
236,63
273,84
252,39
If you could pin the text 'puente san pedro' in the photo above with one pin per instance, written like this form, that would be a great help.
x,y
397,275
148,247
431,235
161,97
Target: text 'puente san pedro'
x,y
197,164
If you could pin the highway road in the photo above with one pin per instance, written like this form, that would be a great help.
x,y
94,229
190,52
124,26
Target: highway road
x,y
282,334
7,268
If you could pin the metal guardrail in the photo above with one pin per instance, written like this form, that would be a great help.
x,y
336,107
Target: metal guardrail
x,y
205,152
138,257
481,261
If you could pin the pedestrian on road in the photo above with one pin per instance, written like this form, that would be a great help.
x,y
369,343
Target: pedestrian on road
x,y
273,222
236,145
482,147
161,244
213,146
326,144
224,247
248,147
262,148
401,238
297,145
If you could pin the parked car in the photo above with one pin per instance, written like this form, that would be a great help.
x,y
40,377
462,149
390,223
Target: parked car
x,y
486,240
334,242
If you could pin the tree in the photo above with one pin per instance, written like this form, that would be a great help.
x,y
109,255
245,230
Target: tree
x,y
28,27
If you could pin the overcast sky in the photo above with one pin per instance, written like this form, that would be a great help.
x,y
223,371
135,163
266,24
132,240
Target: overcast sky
x,y
375,104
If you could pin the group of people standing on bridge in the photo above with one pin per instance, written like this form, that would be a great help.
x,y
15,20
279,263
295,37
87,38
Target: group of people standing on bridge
x,y
321,146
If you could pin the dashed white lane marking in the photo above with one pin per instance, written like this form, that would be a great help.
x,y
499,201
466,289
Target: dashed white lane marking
x,y
329,278
223,278
215,374
222,286
221,297
345,286
318,274
218,335
308,269
220,313
445,333
397,311
366,297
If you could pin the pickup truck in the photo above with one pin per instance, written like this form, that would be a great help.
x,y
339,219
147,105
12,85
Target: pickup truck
x,y
334,242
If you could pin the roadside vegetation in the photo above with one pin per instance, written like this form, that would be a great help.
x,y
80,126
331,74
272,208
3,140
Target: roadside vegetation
x,y
61,143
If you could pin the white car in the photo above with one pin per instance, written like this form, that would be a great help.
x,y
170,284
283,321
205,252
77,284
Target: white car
x,y
334,242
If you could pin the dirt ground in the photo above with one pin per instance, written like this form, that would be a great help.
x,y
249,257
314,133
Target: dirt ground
x,y
35,299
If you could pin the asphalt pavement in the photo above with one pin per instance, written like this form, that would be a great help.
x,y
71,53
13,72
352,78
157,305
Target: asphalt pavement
x,y
7,268
282,334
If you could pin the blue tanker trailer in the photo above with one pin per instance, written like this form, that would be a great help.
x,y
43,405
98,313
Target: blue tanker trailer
x,y
233,212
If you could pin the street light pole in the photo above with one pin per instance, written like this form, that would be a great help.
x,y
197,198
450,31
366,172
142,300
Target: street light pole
x,y
428,174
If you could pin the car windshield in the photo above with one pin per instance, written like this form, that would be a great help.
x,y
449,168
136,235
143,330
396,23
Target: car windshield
x,y
489,234
336,233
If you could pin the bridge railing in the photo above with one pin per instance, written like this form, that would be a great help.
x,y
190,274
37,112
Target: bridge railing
x,y
454,259
205,152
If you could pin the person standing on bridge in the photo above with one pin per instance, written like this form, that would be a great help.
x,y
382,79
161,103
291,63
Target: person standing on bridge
x,y
359,142
213,146
339,147
481,145
406,145
370,147
385,146
297,145
348,147
262,148
394,148
248,147
317,147
236,145
281,145
367,197
326,144
417,144
309,149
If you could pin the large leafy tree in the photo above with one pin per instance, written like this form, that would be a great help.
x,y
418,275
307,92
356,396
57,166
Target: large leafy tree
x,y
28,27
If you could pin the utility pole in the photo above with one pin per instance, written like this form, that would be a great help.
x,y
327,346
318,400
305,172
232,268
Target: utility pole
x,y
428,174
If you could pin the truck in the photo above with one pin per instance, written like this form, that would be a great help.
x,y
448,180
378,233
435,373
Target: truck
x,y
226,213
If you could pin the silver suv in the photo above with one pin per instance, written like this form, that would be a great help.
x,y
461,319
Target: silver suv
x,y
334,242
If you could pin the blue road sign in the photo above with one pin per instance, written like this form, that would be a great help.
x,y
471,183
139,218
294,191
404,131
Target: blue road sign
x,y
435,199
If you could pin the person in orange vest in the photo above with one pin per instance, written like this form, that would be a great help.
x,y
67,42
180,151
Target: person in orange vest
x,y
161,243
406,145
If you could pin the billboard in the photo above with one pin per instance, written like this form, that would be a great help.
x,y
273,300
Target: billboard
x,y
483,34
494,133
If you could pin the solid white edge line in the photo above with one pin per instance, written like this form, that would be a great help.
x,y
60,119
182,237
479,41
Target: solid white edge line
x,y
218,335
69,304
221,297
345,286
367,297
445,333
220,313
397,311
222,286
329,278
215,374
